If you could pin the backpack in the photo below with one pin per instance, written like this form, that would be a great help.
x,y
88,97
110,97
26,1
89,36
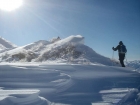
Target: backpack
x,y
123,49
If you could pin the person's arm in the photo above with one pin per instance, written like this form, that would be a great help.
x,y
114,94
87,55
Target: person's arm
x,y
115,49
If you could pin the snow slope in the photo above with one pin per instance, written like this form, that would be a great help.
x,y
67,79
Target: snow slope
x,y
36,46
65,84
70,49
4,44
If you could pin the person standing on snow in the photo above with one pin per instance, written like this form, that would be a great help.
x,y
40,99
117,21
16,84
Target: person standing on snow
x,y
121,51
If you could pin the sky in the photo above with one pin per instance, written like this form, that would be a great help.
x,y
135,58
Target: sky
x,y
103,23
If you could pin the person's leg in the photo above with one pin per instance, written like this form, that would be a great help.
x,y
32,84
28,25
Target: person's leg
x,y
122,63
121,58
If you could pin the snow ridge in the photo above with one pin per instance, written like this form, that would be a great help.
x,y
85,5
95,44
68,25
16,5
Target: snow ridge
x,y
5,44
71,49
24,99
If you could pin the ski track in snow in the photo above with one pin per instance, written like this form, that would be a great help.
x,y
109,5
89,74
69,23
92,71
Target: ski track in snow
x,y
62,84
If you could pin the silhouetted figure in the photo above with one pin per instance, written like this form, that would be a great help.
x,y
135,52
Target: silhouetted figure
x,y
121,51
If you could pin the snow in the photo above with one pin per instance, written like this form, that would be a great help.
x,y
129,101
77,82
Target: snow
x,y
71,49
64,84
4,44
65,72
134,64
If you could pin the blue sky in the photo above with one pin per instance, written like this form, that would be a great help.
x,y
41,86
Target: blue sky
x,y
103,23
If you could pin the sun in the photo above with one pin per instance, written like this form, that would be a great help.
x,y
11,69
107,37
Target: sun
x,y
9,5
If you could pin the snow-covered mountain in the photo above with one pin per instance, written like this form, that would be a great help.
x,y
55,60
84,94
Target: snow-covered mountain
x,y
70,49
4,44
134,64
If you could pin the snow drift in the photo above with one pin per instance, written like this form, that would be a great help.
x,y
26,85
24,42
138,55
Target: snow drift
x,y
22,97
66,84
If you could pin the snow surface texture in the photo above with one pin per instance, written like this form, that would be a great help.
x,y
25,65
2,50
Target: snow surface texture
x,y
65,84
70,50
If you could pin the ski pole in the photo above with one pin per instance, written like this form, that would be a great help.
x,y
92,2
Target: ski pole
x,y
126,57
126,60
112,58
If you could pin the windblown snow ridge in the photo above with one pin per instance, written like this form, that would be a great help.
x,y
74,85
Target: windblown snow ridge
x,y
22,97
70,49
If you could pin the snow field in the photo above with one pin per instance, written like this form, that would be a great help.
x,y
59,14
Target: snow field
x,y
64,84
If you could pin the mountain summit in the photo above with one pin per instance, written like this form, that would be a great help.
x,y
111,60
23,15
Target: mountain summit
x,y
4,44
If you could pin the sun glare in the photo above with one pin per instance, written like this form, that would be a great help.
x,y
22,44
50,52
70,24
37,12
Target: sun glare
x,y
9,5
